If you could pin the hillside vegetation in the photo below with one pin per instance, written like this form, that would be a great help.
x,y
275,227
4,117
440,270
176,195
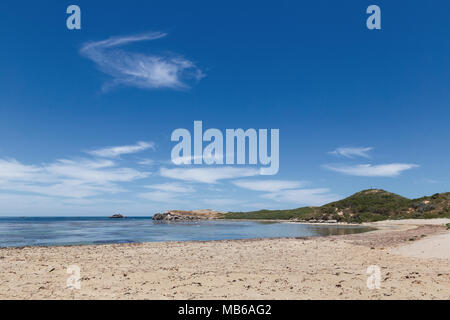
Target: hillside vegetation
x,y
299,213
365,206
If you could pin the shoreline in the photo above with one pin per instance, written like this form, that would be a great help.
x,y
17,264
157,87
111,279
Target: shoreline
x,y
380,226
325,267
182,241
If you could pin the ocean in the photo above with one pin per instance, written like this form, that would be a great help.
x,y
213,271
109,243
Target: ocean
x,y
48,231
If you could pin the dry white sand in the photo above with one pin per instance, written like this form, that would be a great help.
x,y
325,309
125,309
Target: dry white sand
x,y
315,268
437,246
413,222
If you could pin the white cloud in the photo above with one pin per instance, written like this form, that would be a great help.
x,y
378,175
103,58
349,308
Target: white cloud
x,y
146,162
140,70
94,172
208,175
63,188
171,187
368,170
166,192
12,203
66,178
306,197
11,169
287,191
159,196
113,152
222,202
39,205
192,158
268,185
351,152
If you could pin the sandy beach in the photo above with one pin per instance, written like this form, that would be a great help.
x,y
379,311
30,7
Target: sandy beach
x,y
413,257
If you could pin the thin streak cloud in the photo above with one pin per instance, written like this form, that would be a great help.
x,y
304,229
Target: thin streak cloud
x,y
351,152
207,175
113,152
368,170
145,71
268,185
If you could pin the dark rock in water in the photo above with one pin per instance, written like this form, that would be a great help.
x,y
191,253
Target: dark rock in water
x,y
117,216
158,216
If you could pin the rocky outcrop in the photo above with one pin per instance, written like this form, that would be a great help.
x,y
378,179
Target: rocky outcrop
x,y
179,215
172,217
314,220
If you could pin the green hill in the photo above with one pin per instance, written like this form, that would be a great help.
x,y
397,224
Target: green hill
x,y
299,213
437,205
368,205
365,206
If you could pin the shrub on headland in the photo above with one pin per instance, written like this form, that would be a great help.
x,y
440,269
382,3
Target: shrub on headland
x,y
365,206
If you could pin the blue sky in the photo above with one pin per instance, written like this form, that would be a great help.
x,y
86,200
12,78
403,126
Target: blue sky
x,y
85,123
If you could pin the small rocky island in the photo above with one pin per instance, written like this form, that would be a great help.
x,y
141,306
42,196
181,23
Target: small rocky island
x,y
117,216
181,215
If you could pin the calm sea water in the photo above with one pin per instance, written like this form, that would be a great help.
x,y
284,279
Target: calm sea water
x,y
32,231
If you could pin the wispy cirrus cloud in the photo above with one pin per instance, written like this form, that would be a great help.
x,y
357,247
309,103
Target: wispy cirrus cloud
x,y
71,178
351,152
368,170
146,71
160,196
146,162
172,187
93,171
306,197
208,175
222,202
288,191
166,192
113,152
13,170
268,185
